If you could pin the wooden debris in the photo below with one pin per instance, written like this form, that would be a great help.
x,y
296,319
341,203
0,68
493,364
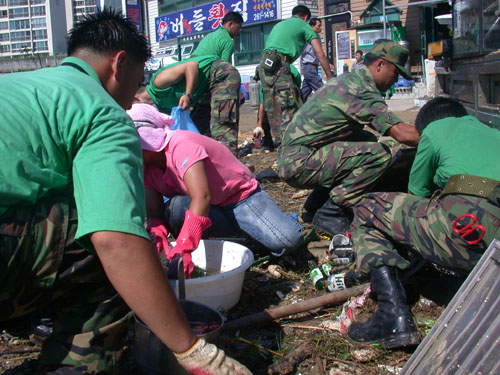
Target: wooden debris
x,y
364,354
319,367
289,362
301,194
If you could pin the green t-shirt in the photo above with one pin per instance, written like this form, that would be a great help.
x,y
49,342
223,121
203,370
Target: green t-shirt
x,y
289,37
62,131
168,98
454,146
218,43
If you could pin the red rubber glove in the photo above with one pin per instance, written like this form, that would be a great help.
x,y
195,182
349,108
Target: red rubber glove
x,y
189,239
158,234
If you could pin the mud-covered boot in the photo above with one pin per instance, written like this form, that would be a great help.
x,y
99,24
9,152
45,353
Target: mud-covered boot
x,y
331,219
393,324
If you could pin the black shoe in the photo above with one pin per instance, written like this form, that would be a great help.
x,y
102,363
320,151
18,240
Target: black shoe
x,y
314,201
392,325
331,219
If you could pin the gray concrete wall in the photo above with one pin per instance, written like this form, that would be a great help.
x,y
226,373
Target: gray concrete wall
x,y
33,63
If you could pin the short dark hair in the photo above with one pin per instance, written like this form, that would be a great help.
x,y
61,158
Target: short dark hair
x,y
233,16
108,31
359,51
436,109
370,58
301,10
313,21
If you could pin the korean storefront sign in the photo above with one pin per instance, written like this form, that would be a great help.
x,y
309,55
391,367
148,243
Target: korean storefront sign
x,y
208,17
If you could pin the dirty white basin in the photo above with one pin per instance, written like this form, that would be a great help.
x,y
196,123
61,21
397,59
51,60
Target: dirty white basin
x,y
220,291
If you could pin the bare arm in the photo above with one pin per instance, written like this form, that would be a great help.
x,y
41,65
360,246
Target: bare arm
x,y
133,268
154,204
172,75
404,133
325,64
196,183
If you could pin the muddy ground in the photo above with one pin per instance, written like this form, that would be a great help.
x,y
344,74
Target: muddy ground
x,y
273,283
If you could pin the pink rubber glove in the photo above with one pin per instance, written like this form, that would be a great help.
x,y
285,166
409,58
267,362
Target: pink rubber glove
x,y
189,239
158,234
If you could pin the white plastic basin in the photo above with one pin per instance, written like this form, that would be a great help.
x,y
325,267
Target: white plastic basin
x,y
220,291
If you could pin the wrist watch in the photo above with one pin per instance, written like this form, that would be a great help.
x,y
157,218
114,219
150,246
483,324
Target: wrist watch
x,y
190,96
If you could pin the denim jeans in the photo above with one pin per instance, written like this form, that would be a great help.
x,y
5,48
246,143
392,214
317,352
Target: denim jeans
x,y
257,217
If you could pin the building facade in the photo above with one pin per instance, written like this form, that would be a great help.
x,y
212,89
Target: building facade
x,y
176,26
30,27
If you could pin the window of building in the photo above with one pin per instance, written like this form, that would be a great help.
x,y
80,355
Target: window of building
x,y
19,24
3,3
17,2
491,24
171,6
5,48
18,36
40,46
39,34
38,23
466,27
3,13
19,13
21,47
35,2
4,37
38,11
4,25
250,43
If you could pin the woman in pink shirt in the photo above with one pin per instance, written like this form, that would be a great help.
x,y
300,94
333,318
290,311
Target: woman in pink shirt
x,y
210,191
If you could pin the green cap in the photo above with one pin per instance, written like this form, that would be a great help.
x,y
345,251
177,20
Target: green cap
x,y
394,53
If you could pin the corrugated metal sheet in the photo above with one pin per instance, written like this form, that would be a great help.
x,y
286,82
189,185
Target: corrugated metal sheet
x,y
466,337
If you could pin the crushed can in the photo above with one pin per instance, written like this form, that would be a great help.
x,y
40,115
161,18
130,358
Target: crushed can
x,y
336,282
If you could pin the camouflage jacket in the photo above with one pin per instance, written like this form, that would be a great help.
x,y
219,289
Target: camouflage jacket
x,y
340,110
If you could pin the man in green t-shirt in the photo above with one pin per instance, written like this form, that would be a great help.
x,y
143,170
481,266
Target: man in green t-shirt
x,y
72,208
449,221
185,84
220,42
282,97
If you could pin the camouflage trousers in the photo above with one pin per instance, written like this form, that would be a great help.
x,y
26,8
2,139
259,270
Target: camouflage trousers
x,y
400,230
347,169
221,106
42,265
282,98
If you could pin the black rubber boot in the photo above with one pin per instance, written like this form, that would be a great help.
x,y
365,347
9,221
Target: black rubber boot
x,y
393,324
314,201
331,219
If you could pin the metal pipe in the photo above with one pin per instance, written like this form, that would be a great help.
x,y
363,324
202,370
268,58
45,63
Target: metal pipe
x,y
312,303
384,20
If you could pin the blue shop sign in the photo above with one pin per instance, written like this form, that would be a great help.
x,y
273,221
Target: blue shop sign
x,y
208,17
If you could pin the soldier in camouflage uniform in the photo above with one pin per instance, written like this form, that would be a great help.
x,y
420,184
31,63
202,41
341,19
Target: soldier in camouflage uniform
x,y
186,84
282,97
325,146
394,232
72,207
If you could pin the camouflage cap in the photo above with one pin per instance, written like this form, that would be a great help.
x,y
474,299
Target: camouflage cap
x,y
394,53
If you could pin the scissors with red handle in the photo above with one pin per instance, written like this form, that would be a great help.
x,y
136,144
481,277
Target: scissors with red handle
x,y
466,225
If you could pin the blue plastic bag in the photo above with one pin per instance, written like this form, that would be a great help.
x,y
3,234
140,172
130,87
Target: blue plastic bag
x,y
183,120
